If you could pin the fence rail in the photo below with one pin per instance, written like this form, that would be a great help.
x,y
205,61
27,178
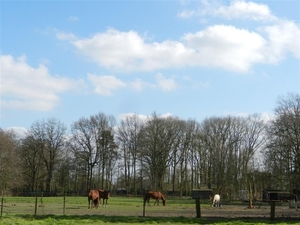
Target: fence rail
x,y
133,206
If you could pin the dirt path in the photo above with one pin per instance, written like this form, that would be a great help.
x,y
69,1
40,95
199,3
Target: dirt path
x,y
130,207
231,211
226,211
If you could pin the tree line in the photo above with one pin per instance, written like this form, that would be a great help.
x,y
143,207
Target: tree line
x,y
226,154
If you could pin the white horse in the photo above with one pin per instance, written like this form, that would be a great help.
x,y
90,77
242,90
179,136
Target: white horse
x,y
216,200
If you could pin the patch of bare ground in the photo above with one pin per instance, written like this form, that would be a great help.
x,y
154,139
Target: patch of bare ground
x,y
226,211
242,211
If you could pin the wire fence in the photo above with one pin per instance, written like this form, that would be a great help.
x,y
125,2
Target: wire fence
x,y
133,206
33,205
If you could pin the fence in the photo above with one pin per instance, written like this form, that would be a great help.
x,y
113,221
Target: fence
x,y
133,206
33,205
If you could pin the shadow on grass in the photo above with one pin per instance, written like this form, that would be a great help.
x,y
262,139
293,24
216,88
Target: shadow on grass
x,y
158,220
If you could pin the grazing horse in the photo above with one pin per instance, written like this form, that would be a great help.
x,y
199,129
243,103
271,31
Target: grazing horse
x,y
104,195
94,197
154,195
216,200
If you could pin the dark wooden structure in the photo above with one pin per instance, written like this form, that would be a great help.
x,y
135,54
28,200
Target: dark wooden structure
x,y
198,194
273,196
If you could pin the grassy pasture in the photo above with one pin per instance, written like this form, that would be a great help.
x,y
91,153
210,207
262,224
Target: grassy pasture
x,y
129,210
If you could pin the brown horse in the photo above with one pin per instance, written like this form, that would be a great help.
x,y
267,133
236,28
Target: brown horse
x,y
94,197
104,195
154,195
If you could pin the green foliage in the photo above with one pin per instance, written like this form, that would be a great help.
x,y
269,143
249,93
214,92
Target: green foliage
x,y
99,219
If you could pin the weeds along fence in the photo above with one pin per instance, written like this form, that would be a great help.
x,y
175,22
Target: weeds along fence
x,y
38,203
42,203
133,206
69,204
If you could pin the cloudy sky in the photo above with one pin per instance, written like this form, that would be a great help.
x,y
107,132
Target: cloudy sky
x,y
191,59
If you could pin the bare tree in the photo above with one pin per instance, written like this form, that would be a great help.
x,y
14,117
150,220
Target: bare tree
x,y
93,142
158,137
108,156
177,153
191,142
10,172
105,144
33,167
128,137
181,152
217,141
84,147
50,135
252,141
228,147
283,149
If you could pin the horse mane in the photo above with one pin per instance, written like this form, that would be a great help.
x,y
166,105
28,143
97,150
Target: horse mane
x,y
104,193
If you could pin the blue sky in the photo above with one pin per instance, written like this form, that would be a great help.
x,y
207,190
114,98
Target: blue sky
x,y
190,59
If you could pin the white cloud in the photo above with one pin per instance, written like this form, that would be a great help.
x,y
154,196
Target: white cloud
x,y
236,10
104,85
73,18
19,131
165,84
226,47
139,85
264,116
267,117
65,36
244,10
187,13
222,46
142,117
25,87
284,37
165,115
129,51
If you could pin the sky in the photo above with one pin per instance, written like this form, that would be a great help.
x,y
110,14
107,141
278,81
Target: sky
x,y
192,59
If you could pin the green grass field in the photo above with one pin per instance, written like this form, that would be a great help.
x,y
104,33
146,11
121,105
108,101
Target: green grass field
x,y
121,210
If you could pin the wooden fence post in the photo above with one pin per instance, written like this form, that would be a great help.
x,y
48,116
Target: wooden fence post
x,y
272,213
144,206
64,204
35,207
198,209
2,202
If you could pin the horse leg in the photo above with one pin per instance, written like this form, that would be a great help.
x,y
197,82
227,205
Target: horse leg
x,y
97,202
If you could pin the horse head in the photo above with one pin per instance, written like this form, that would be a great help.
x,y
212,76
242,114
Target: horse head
x,y
163,199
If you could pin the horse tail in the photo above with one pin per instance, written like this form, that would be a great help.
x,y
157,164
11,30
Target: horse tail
x,y
146,198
